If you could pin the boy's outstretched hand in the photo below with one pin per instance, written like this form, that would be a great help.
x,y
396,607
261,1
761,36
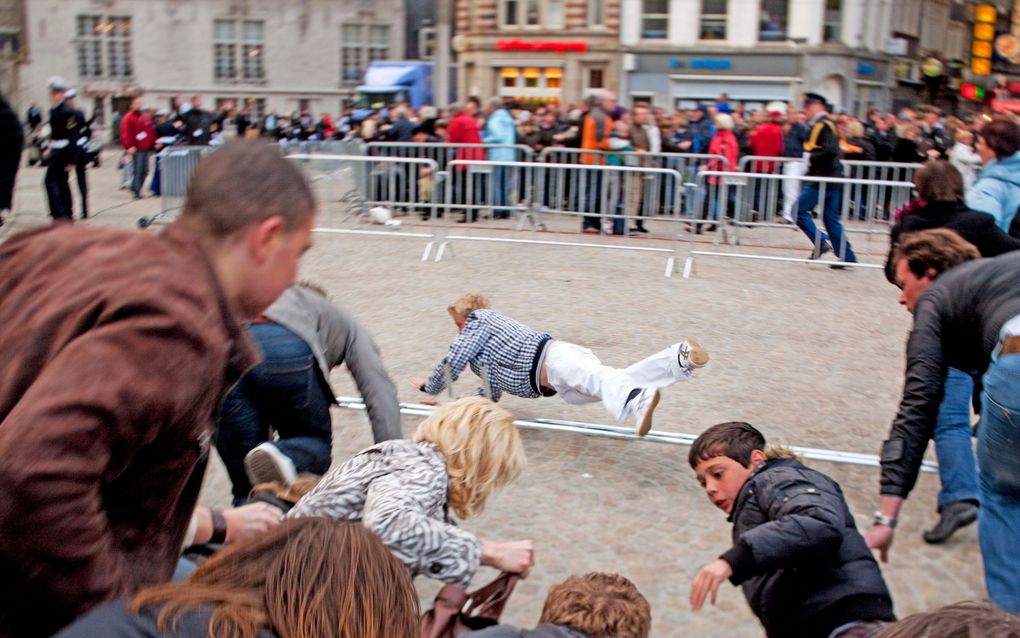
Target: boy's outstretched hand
x,y
707,581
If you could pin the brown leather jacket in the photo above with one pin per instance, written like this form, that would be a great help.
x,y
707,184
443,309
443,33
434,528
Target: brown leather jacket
x,y
116,349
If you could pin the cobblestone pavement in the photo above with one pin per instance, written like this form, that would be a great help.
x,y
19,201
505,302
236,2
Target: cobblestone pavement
x,y
811,356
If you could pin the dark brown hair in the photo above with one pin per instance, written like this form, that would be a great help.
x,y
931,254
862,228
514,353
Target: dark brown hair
x,y
733,439
937,249
599,605
245,182
304,578
939,181
1002,135
959,620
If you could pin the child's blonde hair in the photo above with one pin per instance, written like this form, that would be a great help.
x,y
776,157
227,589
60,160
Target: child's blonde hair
x,y
482,448
468,304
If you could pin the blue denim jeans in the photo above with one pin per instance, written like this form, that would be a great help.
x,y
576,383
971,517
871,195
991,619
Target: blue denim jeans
x,y
957,466
501,190
286,392
809,195
999,463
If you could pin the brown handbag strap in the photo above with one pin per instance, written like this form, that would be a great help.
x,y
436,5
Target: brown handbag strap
x,y
439,622
489,600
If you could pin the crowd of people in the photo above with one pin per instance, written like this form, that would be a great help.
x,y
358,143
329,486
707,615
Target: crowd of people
x,y
129,354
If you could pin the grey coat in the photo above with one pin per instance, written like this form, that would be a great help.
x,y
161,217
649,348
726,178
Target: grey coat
x,y
335,337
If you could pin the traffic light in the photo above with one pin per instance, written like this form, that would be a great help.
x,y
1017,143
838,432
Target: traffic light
x,y
972,92
984,33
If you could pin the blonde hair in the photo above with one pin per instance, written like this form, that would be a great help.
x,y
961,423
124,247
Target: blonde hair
x,y
468,304
963,136
854,129
724,122
482,448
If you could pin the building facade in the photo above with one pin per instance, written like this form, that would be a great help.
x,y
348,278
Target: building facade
x,y
681,52
267,54
10,46
537,51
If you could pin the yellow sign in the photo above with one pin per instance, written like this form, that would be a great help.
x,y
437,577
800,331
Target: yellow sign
x,y
982,49
985,13
981,66
984,32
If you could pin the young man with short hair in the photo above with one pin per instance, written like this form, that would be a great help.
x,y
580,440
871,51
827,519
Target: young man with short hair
x,y
118,346
803,566
968,318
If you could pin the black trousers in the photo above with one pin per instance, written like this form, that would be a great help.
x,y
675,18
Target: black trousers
x,y
58,191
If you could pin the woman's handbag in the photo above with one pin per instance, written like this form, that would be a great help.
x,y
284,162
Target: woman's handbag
x,y
456,612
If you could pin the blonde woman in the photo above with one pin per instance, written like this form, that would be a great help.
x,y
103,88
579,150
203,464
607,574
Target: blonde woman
x,y
404,491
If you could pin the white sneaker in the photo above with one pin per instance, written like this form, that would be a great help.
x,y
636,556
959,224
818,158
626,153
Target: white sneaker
x,y
644,405
691,355
266,463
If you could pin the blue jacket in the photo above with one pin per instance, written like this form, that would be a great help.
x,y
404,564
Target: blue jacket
x,y
997,190
500,129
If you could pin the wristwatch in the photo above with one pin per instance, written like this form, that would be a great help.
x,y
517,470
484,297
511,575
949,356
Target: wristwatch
x,y
882,519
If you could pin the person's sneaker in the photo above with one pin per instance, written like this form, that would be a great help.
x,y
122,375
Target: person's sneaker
x,y
818,251
266,463
644,405
691,355
952,517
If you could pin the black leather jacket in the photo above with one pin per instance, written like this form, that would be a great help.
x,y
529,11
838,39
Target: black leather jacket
x,y
956,325
823,145
803,566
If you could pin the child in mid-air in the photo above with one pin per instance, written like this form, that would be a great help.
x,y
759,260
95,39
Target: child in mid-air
x,y
512,358
804,567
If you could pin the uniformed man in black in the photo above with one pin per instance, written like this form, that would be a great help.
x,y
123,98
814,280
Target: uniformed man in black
x,y
61,152
83,133
823,146
197,124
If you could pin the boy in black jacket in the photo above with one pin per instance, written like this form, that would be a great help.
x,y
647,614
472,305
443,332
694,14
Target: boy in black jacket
x,y
804,567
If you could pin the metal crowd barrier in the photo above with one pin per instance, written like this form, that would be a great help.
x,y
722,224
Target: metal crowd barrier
x,y
334,147
602,198
176,165
445,152
654,436
729,211
349,186
865,204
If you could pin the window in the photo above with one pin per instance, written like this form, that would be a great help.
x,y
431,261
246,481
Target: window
x,y
713,19
773,21
655,19
833,20
554,14
427,43
104,47
359,45
537,80
933,27
906,17
238,50
596,13
596,79
518,13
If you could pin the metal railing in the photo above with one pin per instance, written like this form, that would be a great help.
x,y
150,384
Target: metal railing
x,y
176,166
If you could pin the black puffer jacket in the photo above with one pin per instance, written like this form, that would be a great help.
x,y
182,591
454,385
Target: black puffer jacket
x,y
803,566
956,325
823,145
977,228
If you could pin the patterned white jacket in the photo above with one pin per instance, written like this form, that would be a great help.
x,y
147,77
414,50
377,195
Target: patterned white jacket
x,y
400,490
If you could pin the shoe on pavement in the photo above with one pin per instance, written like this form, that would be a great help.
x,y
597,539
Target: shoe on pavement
x,y
953,516
691,355
643,406
266,463
817,252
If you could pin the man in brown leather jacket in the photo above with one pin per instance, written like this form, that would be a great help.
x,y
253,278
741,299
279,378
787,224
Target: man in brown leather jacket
x,y
117,348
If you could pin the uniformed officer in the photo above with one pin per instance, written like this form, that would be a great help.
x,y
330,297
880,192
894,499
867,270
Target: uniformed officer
x,y
61,152
83,131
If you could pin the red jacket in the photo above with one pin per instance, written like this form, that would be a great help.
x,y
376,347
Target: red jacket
x,y
137,131
117,348
766,141
464,130
724,143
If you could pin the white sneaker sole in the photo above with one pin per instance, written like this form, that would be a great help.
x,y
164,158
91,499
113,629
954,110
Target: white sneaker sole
x,y
645,424
266,464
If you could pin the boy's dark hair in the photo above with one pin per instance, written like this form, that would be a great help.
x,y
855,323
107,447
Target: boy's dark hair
x,y
1002,135
733,439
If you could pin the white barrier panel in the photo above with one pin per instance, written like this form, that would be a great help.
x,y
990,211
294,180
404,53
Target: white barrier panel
x,y
654,436
176,166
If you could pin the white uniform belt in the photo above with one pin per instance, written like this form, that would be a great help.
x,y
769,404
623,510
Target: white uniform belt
x,y
59,143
